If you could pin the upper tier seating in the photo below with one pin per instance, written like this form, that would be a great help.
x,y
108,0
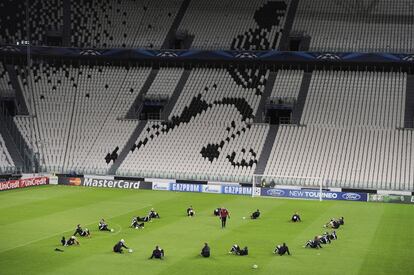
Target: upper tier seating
x,y
44,16
243,25
126,23
357,26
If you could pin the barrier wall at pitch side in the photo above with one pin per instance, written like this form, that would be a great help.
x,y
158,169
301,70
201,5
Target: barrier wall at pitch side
x,y
233,189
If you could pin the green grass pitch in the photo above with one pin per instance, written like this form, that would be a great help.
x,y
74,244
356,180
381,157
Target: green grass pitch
x,y
376,238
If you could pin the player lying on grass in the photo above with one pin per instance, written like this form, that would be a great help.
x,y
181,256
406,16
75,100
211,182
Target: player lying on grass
x,y
315,243
71,241
255,214
282,249
236,250
157,253
205,251
190,211
335,223
81,232
135,223
296,217
103,226
153,214
119,245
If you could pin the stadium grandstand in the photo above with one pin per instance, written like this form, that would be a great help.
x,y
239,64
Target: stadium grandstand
x,y
188,89
142,126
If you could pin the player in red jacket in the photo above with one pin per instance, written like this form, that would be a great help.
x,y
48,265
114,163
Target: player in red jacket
x,y
223,216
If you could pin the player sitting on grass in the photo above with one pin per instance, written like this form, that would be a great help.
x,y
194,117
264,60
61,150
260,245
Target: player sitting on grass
x,y
331,236
255,214
282,249
217,211
153,214
157,253
315,243
135,223
190,211
103,226
71,241
119,245
81,232
236,250
324,238
205,251
296,217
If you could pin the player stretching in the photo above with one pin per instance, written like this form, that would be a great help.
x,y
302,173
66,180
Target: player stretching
x,y
119,245
223,216
295,217
103,226
81,232
282,249
157,253
190,211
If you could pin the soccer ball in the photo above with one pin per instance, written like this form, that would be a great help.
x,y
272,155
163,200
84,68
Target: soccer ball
x,y
244,218
112,230
130,250
255,266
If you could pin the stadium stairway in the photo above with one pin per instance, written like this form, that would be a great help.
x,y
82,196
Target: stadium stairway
x,y
11,146
409,103
21,103
267,149
136,107
176,94
176,23
259,117
131,141
290,18
303,93
66,23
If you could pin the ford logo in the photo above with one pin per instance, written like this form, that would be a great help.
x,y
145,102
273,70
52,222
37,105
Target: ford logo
x,y
275,192
351,196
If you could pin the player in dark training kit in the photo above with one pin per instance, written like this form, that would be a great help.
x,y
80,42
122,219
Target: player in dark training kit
x,y
224,214
236,250
135,223
282,249
190,211
153,214
119,245
217,212
296,217
71,241
103,226
255,214
315,243
335,223
157,253
81,232
205,252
